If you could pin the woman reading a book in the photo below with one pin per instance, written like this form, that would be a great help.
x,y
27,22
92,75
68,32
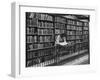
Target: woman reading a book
x,y
61,40
61,44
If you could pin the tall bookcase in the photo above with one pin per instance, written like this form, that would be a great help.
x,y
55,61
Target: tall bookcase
x,y
41,32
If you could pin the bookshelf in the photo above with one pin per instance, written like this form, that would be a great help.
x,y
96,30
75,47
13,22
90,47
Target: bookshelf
x,y
41,32
86,35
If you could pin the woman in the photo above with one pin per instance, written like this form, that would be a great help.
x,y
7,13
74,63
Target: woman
x,y
60,44
61,39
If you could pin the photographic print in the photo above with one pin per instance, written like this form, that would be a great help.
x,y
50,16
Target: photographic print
x,y
51,40
56,39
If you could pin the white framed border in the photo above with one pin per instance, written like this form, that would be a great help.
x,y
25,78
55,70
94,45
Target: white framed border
x,y
18,41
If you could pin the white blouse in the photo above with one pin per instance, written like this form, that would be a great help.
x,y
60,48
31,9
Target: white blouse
x,y
58,41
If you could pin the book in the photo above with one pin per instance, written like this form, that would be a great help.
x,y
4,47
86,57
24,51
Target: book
x,y
45,24
85,28
40,46
79,23
31,39
32,22
71,27
86,24
78,32
60,25
71,37
71,32
79,28
85,32
45,31
78,37
60,19
32,31
69,21
42,16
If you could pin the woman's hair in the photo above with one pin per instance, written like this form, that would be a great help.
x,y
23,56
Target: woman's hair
x,y
63,35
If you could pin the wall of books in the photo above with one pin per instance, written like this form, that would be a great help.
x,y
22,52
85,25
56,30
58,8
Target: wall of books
x,y
41,31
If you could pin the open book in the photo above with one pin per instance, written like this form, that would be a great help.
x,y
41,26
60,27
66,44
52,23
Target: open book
x,y
63,43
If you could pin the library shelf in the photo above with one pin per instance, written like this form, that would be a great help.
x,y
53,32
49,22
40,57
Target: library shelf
x,y
45,28
45,34
41,48
31,26
46,63
45,21
41,32
39,42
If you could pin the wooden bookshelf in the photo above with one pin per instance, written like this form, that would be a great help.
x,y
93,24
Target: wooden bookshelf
x,y
41,31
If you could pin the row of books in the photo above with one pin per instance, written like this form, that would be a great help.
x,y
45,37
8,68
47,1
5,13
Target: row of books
x,y
32,22
40,53
60,19
61,50
86,24
46,56
35,16
30,15
85,45
71,37
79,23
85,36
39,31
59,31
45,24
45,38
60,25
32,30
32,62
40,16
50,31
78,41
78,47
45,31
32,39
45,45
78,32
70,32
44,52
78,37
31,46
36,62
32,54
85,32
79,28
74,37
39,46
71,22
85,28
85,40
71,27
